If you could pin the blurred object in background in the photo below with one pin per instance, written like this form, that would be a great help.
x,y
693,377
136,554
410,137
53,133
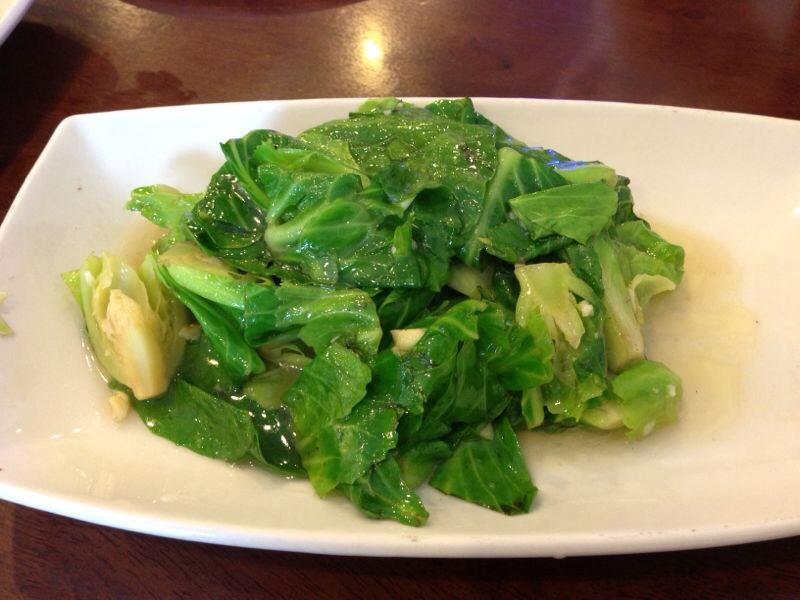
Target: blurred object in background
x,y
11,11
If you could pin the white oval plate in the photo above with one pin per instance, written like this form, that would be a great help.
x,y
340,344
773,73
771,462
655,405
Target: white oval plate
x,y
726,186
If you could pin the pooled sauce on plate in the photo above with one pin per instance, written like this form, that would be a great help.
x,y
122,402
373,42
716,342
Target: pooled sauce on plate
x,y
703,331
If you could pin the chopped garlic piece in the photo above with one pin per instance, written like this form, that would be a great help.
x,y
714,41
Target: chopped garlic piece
x,y
587,310
405,339
191,332
120,405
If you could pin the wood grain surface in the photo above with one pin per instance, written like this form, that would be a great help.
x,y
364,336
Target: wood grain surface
x,y
75,56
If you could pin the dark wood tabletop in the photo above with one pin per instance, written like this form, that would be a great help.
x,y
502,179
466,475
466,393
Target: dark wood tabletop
x,y
76,56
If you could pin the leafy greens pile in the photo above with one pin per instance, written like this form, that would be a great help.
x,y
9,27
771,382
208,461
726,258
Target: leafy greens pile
x,y
383,301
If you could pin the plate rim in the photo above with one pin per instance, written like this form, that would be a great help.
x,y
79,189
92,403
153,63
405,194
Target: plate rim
x,y
475,99
403,543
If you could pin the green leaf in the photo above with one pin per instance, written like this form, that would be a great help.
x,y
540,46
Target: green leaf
x,y
585,263
133,322
636,264
206,276
649,394
291,192
643,251
604,412
338,435
580,373
343,451
477,395
399,307
222,330
72,279
532,407
202,367
427,367
521,358
549,289
516,175
460,110
386,259
577,211
491,473
325,229
322,394
387,106
317,315
163,205
306,160
409,150
624,340
470,281
512,243
578,171
241,161
624,202
505,287
438,227
276,439
267,389
419,462
190,417
229,224
338,227
336,149
470,387
382,494
548,306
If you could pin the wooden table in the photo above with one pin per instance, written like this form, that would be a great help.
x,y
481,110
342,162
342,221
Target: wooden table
x,y
75,56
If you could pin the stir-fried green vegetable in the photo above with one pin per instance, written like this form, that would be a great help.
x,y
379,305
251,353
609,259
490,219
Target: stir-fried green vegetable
x,y
381,301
